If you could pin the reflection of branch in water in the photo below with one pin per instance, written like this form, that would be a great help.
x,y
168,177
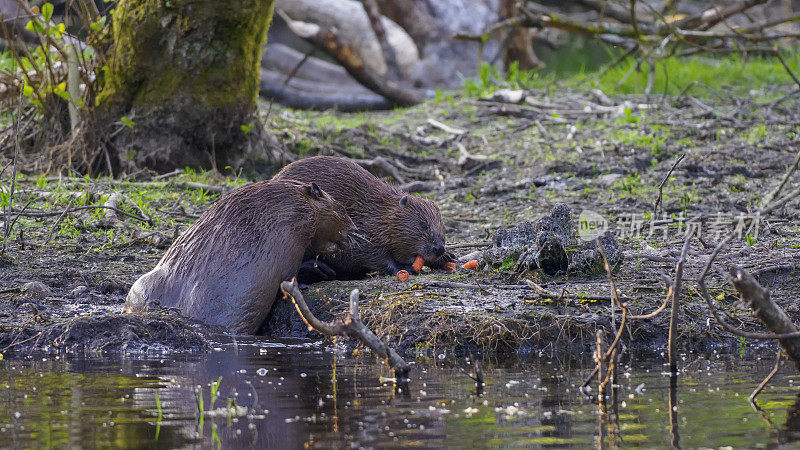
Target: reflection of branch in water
x,y
614,428
778,364
675,437
791,430
335,388
476,375
602,381
602,423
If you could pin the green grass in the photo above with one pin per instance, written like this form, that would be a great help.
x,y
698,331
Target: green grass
x,y
732,74
674,75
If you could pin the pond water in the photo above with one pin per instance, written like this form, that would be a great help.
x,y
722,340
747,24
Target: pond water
x,y
292,394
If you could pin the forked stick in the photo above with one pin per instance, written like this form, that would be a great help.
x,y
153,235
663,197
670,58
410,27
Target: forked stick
x,y
351,326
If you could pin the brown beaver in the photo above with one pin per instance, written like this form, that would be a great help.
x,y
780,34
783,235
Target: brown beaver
x,y
226,268
396,227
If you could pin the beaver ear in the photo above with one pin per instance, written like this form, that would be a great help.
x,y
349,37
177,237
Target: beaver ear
x,y
403,200
314,191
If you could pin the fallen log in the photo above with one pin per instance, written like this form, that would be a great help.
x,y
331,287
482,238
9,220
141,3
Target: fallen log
x,y
315,84
303,94
330,40
354,31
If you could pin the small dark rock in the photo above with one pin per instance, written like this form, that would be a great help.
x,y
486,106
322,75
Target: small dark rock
x,y
79,290
417,186
28,308
589,260
643,164
37,289
551,246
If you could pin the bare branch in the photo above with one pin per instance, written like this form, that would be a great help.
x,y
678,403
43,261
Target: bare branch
x,y
769,313
676,294
327,39
351,326
375,21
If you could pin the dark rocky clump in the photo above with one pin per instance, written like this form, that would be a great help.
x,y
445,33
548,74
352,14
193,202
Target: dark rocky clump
x,y
551,246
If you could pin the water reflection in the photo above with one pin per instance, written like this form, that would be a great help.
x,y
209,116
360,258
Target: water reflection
x,y
296,394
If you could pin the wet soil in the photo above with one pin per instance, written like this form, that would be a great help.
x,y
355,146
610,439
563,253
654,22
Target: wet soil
x,y
494,164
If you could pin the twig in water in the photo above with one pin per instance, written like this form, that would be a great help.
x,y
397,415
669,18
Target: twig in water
x,y
676,294
351,326
778,364
600,350
616,298
672,403
476,375
612,351
663,305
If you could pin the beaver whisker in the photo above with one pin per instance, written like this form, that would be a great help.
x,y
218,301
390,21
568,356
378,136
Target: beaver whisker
x,y
361,237
358,238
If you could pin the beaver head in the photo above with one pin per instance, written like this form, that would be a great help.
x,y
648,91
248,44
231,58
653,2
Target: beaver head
x,y
415,228
332,224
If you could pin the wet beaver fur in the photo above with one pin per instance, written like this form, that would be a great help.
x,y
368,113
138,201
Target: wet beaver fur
x,y
226,268
396,227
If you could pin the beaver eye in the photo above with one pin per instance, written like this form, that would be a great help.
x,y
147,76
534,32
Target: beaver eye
x,y
423,225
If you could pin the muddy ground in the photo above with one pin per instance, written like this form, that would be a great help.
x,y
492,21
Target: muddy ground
x,y
489,164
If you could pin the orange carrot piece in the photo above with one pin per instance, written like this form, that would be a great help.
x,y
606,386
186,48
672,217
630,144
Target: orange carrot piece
x,y
418,263
403,275
472,265
450,266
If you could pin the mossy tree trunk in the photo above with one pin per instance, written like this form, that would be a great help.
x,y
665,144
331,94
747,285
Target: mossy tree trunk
x,y
181,85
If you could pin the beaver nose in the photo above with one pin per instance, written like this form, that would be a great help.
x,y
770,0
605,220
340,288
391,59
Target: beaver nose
x,y
438,250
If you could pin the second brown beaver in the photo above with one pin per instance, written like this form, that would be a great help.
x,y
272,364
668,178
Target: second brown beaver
x,y
396,227
226,268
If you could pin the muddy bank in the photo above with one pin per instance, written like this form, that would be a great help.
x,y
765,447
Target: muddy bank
x,y
491,165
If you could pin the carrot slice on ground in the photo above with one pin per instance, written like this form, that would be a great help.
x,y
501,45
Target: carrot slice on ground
x,y
403,275
472,265
418,263
451,266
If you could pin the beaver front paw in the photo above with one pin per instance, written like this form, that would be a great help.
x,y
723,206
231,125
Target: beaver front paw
x,y
313,270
